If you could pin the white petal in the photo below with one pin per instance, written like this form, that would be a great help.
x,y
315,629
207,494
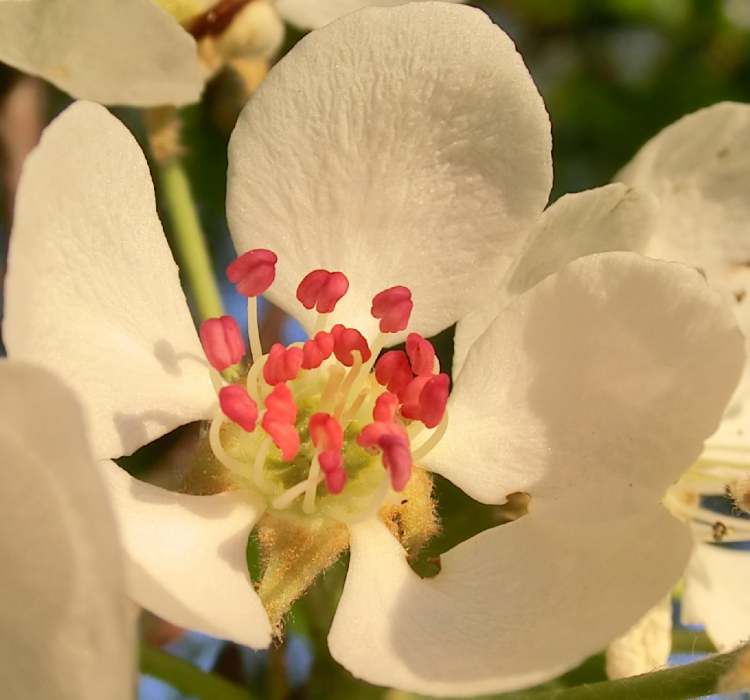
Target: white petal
x,y
613,217
63,611
187,557
645,646
92,291
109,51
699,168
603,379
511,607
717,582
399,145
312,15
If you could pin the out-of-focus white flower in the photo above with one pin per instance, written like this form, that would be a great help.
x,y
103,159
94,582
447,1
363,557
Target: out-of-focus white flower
x,y
699,168
140,52
66,620
402,146
645,646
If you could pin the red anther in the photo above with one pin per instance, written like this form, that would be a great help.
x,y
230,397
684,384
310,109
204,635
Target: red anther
x,y
283,434
317,349
393,442
421,354
322,289
410,407
385,407
332,466
325,431
283,364
393,307
396,459
393,370
253,272
222,342
239,406
372,433
347,339
280,405
425,399
433,399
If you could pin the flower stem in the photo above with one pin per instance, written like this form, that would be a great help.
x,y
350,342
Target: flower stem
x,y
164,127
679,683
189,239
186,678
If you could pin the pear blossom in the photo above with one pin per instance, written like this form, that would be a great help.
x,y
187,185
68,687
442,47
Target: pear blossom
x,y
698,168
689,187
68,627
407,152
150,52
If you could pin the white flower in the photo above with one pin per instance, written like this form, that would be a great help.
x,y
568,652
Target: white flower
x,y
698,168
132,52
67,623
403,147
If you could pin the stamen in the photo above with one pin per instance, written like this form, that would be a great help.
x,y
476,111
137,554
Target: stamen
x,y
345,340
322,289
283,364
311,485
393,307
393,442
354,407
393,371
278,421
385,407
222,342
285,499
332,464
335,375
428,445
214,440
316,350
252,273
421,354
425,399
346,385
325,431
239,406
216,379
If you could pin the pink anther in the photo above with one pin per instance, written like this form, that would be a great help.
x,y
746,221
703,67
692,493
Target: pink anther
x,y
433,400
253,272
421,354
425,399
385,407
239,406
326,432
332,465
345,340
396,459
316,350
283,434
392,440
322,289
393,370
393,307
280,405
222,342
283,364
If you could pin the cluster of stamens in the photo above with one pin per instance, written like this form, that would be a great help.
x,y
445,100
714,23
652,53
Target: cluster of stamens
x,y
723,473
330,417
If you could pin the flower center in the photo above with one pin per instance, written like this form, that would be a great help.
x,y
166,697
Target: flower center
x,y
712,496
328,427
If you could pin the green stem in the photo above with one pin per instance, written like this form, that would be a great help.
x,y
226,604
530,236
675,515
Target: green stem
x,y
188,679
689,681
189,239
